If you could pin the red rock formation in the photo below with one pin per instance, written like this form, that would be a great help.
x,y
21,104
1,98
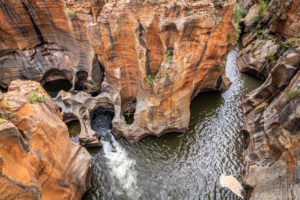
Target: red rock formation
x,y
161,55
157,54
37,159
37,36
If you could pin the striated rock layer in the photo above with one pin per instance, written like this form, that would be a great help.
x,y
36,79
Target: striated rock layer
x,y
46,40
157,56
37,159
271,51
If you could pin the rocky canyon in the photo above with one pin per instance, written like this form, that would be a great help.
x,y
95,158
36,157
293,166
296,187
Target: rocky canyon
x,y
157,56
271,51
143,61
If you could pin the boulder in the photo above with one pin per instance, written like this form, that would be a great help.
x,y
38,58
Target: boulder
x,y
37,158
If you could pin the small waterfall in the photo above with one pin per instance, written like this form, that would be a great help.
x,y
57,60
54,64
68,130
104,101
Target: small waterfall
x,y
121,167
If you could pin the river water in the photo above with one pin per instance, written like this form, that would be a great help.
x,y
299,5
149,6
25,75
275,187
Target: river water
x,y
178,166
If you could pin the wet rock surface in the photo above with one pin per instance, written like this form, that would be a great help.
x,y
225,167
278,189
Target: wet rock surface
x,y
37,158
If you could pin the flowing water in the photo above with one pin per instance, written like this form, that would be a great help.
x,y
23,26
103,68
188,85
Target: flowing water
x,y
177,166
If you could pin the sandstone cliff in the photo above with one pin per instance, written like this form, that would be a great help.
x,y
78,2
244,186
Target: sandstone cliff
x,y
37,159
271,51
157,56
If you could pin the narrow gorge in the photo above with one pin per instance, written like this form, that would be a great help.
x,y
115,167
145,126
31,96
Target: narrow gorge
x,y
149,99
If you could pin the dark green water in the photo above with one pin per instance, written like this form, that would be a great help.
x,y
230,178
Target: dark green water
x,y
180,166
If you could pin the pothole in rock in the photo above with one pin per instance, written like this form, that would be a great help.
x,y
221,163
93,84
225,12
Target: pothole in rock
x,y
128,111
56,80
74,130
102,122
53,87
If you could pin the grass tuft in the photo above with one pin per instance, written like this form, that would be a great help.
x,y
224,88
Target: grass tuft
x,y
35,96
290,95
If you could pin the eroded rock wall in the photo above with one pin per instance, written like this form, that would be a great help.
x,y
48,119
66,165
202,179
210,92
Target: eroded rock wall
x,y
160,54
37,158
271,51
157,55
39,36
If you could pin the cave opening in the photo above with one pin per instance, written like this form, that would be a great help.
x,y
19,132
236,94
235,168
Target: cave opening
x,y
101,119
3,90
74,129
56,80
128,111
80,83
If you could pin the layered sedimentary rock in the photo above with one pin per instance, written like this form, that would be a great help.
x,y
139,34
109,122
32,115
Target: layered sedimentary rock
x,y
272,52
263,30
39,38
272,158
37,158
157,55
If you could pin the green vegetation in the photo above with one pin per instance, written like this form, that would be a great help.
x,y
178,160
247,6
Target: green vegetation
x,y
35,96
71,13
150,79
238,14
263,4
229,37
1,121
292,94
292,42
169,55
271,56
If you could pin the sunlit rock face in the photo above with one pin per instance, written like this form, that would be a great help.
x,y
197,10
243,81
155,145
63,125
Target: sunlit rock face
x,y
39,36
157,55
37,158
160,54
271,51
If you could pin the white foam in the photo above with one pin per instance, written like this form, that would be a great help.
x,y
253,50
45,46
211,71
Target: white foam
x,y
122,168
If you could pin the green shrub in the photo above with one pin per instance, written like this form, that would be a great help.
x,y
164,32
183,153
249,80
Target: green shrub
x,y
238,30
262,8
169,54
1,121
35,96
71,13
291,43
150,79
229,37
238,14
292,94
271,56
243,12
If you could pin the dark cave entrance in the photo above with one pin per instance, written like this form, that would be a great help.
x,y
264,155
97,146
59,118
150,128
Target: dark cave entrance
x,y
74,130
101,120
56,80
128,111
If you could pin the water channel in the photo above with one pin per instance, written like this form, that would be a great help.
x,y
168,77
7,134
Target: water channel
x,y
177,166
